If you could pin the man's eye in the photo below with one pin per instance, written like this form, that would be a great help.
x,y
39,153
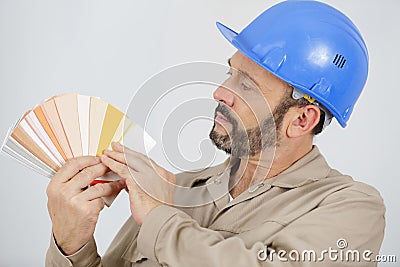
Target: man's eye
x,y
246,87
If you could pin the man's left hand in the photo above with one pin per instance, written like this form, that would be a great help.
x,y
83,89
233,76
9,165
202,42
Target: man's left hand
x,y
148,184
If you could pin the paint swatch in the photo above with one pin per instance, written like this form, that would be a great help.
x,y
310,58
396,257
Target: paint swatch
x,y
67,126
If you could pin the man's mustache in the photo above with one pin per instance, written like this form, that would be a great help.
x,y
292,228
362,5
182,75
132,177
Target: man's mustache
x,y
224,110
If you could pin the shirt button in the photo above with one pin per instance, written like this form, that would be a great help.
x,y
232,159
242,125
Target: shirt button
x,y
254,188
217,181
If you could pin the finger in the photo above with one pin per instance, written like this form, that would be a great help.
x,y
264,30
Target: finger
x,y
133,162
97,204
118,156
116,146
73,166
120,148
119,168
87,175
102,190
124,171
133,159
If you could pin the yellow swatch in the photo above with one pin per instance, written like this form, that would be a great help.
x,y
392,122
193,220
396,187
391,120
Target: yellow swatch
x,y
111,122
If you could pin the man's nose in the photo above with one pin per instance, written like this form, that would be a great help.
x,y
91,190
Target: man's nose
x,y
224,95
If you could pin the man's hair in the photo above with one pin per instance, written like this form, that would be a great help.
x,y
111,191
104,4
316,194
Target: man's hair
x,y
288,101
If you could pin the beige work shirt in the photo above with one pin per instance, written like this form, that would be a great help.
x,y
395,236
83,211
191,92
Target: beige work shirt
x,y
297,218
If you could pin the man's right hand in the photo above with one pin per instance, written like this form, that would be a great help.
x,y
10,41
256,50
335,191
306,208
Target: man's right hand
x,y
73,209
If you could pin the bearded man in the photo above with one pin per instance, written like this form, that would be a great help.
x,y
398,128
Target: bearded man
x,y
275,201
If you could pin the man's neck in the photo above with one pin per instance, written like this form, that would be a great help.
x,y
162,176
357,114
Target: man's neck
x,y
267,164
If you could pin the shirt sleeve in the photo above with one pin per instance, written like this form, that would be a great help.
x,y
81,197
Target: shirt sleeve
x,y
172,238
86,256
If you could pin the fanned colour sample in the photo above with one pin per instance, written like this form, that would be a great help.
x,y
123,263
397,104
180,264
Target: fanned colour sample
x,y
67,126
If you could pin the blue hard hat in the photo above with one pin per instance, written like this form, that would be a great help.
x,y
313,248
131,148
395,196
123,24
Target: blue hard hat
x,y
311,46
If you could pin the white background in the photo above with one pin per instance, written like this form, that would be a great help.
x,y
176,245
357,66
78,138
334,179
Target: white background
x,y
109,48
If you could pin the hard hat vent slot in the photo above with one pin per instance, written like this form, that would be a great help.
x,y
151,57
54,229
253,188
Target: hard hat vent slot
x,y
339,61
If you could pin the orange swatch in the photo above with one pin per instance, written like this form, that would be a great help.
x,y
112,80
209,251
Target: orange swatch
x,y
42,119
50,111
21,137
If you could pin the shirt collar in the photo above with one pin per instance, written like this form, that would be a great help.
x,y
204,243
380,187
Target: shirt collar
x,y
311,167
211,173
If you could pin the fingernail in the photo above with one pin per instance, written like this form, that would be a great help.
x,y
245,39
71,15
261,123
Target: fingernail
x,y
103,157
107,151
98,160
117,144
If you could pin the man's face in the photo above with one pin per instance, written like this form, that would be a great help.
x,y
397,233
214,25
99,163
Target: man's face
x,y
244,123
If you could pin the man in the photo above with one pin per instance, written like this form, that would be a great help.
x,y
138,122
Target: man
x,y
275,201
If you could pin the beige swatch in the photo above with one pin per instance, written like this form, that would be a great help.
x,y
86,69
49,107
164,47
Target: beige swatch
x,y
67,108
84,112
98,108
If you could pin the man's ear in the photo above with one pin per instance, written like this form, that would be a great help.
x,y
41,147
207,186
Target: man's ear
x,y
303,120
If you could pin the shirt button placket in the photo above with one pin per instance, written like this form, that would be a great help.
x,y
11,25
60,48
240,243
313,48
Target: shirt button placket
x,y
217,181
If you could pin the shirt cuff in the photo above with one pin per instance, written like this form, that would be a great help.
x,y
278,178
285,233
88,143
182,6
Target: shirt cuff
x,y
85,256
151,227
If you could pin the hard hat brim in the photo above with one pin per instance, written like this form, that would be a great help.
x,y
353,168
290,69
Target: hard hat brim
x,y
228,33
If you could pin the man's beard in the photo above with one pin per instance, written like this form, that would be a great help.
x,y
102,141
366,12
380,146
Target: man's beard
x,y
247,142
